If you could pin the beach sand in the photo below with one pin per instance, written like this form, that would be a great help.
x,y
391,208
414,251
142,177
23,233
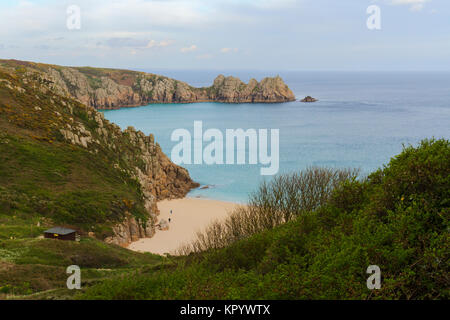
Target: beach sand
x,y
189,215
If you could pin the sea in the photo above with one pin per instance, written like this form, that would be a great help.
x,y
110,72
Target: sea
x,y
362,120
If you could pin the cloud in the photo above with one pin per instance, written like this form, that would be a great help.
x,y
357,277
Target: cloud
x,y
160,44
205,56
229,50
265,4
415,5
127,42
42,47
139,14
30,17
189,49
165,43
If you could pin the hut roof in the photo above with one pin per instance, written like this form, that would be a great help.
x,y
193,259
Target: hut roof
x,y
60,230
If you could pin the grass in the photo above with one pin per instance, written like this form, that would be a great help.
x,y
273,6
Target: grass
x,y
31,266
46,181
41,175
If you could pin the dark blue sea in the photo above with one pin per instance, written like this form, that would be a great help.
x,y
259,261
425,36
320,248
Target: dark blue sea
x,y
361,121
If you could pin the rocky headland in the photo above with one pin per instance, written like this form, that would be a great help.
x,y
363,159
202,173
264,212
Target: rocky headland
x,y
112,88
110,191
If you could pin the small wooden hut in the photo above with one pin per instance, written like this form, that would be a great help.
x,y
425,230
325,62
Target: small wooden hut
x,y
60,233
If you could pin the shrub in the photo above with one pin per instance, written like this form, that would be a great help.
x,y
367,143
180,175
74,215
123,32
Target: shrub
x,y
276,202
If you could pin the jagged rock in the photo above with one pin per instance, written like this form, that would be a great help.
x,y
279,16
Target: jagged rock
x,y
309,99
233,90
131,230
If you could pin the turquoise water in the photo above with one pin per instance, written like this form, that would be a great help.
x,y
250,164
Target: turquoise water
x,y
361,120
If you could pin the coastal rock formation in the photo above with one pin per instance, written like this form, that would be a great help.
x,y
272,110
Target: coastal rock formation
x,y
131,230
159,177
112,89
233,90
37,102
309,99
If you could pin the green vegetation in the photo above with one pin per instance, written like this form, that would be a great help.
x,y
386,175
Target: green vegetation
x,y
36,268
46,181
397,219
63,183
44,178
308,235
283,199
95,83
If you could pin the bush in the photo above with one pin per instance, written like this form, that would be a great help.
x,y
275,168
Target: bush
x,y
420,175
396,219
276,202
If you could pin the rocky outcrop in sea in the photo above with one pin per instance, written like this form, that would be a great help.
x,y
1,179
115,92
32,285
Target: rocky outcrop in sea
x,y
309,99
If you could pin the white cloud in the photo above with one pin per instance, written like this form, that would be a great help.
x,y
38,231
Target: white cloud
x,y
205,56
160,44
135,43
229,50
31,18
165,43
189,49
414,5
139,13
266,4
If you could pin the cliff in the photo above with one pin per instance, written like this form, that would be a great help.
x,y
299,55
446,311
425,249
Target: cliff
x,y
62,163
233,90
112,88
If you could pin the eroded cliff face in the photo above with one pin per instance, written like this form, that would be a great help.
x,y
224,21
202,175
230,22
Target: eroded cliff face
x,y
149,88
38,102
233,90
111,88
144,160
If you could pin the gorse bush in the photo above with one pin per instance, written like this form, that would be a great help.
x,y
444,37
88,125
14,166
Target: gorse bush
x,y
282,199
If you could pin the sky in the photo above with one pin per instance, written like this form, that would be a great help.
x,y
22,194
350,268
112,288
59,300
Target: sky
x,y
280,35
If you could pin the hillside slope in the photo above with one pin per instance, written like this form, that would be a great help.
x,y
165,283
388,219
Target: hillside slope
x,y
397,219
61,162
113,88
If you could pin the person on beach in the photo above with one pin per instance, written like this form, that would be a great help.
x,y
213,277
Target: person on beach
x,y
170,211
169,220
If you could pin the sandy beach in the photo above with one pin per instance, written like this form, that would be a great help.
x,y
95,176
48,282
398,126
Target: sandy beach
x,y
189,215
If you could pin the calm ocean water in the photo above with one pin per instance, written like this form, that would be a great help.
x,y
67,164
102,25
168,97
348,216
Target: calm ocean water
x,y
361,120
